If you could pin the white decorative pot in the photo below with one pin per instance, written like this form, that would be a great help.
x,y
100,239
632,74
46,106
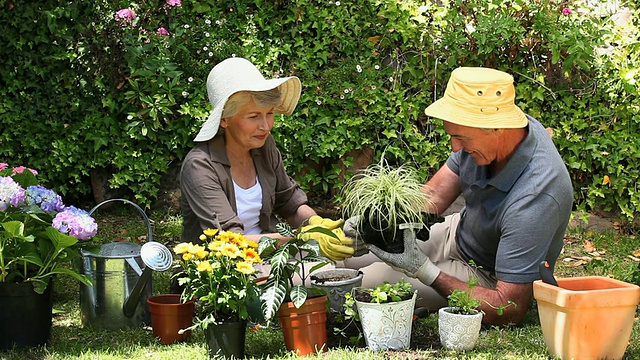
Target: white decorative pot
x,y
458,331
387,326
336,283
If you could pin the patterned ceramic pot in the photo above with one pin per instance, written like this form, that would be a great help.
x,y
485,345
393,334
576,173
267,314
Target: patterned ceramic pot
x,y
387,326
458,331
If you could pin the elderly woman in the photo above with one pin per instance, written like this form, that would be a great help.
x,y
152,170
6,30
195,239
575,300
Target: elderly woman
x,y
234,178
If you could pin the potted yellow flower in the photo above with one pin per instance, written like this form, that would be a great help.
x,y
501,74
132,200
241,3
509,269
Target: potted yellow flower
x,y
39,238
219,276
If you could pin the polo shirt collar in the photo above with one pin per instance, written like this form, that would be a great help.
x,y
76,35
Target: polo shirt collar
x,y
508,176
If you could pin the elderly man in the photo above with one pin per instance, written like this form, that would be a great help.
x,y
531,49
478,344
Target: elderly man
x,y
518,200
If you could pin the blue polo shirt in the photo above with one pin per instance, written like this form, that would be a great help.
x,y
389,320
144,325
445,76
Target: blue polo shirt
x,y
516,219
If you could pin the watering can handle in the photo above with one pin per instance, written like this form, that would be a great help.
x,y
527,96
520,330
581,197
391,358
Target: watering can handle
x,y
144,215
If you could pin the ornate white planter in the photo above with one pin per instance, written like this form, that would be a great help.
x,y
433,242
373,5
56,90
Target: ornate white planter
x,y
328,280
458,331
387,326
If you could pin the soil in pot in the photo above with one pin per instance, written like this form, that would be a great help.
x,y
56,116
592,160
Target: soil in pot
x,y
365,296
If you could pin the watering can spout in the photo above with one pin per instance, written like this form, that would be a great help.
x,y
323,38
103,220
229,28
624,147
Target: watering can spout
x,y
155,256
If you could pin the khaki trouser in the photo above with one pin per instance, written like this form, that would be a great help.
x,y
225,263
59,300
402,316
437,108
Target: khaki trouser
x,y
443,252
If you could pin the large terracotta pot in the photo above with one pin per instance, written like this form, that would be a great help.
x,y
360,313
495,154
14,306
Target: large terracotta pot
x,y
25,316
587,317
169,315
305,328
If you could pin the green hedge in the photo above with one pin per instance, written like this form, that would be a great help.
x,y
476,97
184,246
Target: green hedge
x,y
82,94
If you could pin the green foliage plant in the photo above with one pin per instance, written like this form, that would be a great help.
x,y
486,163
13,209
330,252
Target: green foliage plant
x,y
461,301
380,294
292,262
85,98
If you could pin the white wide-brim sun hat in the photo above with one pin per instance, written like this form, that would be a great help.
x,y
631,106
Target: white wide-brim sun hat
x,y
237,74
481,98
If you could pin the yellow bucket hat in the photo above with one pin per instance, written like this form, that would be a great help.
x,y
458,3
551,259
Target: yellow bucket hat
x,y
481,98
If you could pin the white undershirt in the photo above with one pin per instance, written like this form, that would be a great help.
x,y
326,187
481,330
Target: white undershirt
x,y
249,203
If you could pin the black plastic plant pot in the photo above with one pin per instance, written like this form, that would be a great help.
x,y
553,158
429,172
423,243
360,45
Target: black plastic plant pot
x,y
382,236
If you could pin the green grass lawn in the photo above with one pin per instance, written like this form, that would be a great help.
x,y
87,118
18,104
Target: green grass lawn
x,y
585,253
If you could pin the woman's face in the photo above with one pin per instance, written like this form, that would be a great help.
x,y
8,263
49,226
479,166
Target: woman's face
x,y
250,127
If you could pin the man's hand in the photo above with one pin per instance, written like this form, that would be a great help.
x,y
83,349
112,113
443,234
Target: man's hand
x,y
351,231
412,261
335,248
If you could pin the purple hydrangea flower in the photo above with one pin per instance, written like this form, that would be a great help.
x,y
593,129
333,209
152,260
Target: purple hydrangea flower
x,y
46,199
162,31
11,193
75,222
125,16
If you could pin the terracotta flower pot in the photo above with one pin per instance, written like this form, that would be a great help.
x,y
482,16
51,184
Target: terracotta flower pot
x,y
168,316
587,317
305,329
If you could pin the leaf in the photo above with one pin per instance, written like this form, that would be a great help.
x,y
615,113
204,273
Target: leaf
x,y
298,295
588,246
273,293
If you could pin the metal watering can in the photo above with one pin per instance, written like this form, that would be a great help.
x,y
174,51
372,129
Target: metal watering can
x,y
121,276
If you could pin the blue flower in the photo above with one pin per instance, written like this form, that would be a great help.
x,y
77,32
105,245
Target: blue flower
x,y
46,199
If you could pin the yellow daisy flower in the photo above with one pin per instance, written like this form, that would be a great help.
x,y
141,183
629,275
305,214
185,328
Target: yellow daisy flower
x,y
204,266
245,268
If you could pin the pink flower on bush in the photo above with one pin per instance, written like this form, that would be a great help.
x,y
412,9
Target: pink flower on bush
x,y
566,11
172,3
21,169
125,16
3,166
162,31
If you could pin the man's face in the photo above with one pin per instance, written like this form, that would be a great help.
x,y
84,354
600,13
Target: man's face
x,y
482,144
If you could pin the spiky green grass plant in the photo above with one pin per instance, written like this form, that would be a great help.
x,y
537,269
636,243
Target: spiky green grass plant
x,y
386,196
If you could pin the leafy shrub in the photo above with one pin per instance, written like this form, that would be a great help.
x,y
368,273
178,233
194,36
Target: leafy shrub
x,y
84,95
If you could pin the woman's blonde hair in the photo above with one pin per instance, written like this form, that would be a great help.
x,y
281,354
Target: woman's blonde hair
x,y
261,98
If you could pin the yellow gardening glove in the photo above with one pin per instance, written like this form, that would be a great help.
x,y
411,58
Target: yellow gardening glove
x,y
335,249
329,224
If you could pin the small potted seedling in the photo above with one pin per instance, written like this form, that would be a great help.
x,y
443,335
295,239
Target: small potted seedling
x,y
459,324
385,312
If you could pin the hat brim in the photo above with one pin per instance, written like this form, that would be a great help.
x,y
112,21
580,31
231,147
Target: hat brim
x,y
487,118
290,89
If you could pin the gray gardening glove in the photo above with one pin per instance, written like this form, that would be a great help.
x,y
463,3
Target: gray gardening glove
x,y
412,261
350,231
